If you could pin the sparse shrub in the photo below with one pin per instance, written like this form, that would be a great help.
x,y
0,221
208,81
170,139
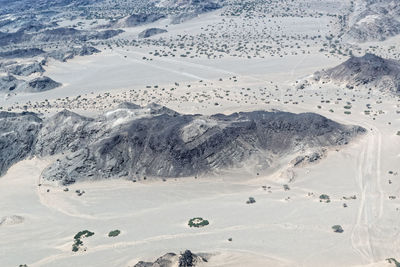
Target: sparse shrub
x,y
324,198
77,239
393,260
286,187
114,233
251,200
337,228
198,222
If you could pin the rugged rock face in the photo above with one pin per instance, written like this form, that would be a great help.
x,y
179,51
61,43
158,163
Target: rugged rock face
x,y
18,134
156,141
374,27
41,84
73,124
140,19
71,53
191,8
21,53
9,83
186,259
374,20
150,32
25,69
70,34
134,142
368,70
61,34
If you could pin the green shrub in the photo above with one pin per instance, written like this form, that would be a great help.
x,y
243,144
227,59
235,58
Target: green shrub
x,y
84,233
77,239
251,200
324,198
393,260
198,222
114,233
337,228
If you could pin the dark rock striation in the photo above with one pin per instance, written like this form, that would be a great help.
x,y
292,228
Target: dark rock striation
x,y
18,134
154,141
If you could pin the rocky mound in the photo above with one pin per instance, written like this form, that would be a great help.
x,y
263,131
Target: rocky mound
x,y
134,142
41,84
151,32
186,259
368,70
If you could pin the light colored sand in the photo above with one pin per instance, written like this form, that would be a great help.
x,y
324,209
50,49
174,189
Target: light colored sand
x,y
274,231
283,228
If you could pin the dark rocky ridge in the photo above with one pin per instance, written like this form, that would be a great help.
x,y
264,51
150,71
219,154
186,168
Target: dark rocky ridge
x,y
134,142
368,70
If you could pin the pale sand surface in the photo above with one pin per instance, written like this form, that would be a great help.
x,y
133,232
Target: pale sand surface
x,y
283,228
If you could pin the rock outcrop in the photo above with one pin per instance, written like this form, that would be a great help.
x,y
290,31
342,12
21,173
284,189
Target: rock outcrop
x,y
186,259
67,54
9,83
140,19
25,69
41,84
374,20
368,70
151,32
21,53
18,134
154,141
